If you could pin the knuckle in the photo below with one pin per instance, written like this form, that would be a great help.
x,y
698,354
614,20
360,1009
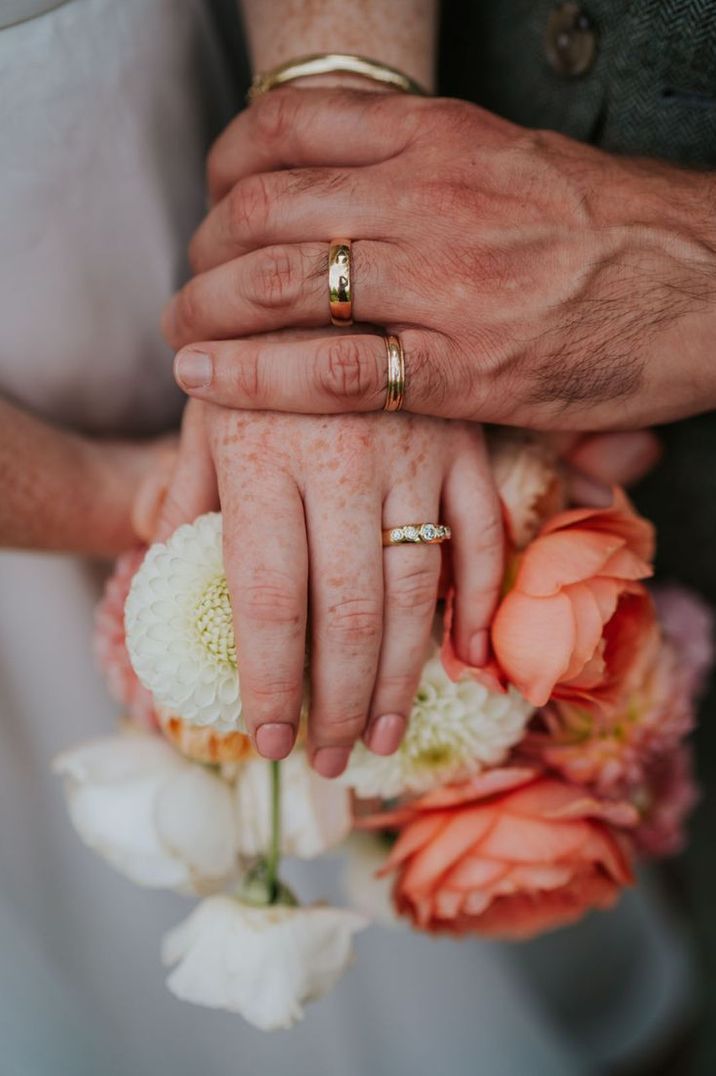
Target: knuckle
x,y
355,621
249,206
344,371
271,599
341,730
270,692
274,116
415,589
395,686
247,379
276,278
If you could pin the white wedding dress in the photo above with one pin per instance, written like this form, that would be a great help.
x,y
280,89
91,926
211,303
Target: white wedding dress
x,y
106,109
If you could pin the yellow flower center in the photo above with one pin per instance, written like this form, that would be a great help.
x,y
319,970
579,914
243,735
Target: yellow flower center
x,y
214,623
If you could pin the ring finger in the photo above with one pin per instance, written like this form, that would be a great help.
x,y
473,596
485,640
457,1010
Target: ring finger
x,y
287,286
411,574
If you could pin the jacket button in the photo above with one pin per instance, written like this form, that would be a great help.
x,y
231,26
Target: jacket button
x,y
571,40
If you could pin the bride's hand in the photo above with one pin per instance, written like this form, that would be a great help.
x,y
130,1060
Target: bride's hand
x,y
304,500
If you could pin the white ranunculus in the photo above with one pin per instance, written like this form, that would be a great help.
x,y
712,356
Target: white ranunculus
x,y
315,812
455,729
264,963
160,820
365,854
180,634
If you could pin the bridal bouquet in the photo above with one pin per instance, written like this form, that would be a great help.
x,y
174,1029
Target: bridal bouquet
x,y
521,797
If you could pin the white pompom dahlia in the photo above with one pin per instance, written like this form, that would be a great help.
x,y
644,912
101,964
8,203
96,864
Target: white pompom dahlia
x,y
180,634
455,729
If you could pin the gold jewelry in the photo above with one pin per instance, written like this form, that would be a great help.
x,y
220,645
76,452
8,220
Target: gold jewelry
x,y
330,63
340,292
417,534
395,392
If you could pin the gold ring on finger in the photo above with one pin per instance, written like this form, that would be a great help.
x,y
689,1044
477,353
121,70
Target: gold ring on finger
x,y
417,534
395,388
340,291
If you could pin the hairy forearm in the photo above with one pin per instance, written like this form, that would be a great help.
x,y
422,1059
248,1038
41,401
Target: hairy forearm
x,y
666,216
60,491
401,33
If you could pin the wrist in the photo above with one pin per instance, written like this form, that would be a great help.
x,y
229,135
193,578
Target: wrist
x,y
111,473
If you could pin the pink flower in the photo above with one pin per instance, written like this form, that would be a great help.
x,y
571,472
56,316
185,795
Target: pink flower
x,y
110,645
508,854
666,799
609,748
689,623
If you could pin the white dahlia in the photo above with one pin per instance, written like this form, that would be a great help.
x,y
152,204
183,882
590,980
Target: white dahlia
x,y
180,634
455,729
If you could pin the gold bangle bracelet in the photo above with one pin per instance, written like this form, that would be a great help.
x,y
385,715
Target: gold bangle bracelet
x,y
329,63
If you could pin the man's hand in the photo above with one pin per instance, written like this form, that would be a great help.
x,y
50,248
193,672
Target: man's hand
x,y
533,280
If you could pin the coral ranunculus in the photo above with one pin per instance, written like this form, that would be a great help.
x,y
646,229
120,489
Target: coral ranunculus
x,y
572,591
508,854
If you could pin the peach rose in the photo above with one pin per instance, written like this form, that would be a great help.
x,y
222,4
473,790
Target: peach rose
x,y
552,634
508,854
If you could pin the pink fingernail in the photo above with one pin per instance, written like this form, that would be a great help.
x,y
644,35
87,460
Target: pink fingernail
x,y
331,761
384,735
193,369
275,739
477,650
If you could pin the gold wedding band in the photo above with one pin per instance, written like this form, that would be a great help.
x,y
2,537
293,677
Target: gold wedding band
x,y
396,374
417,534
340,293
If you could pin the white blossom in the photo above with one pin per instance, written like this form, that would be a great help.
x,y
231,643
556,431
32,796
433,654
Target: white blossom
x,y
455,729
162,821
264,963
179,628
315,812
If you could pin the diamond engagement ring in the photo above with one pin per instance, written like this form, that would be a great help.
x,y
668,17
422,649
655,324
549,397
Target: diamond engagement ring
x,y
417,534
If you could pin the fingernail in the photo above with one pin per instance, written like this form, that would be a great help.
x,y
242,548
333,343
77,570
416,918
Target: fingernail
x,y
193,369
331,761
275,739
384,735
477,650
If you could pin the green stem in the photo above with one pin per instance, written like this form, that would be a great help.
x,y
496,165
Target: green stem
x,y
273,855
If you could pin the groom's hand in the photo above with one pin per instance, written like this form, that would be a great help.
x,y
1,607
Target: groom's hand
x,y
533,280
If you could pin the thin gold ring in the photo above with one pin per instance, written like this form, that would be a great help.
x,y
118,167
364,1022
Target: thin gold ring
x,y
417,534
395,393
340,292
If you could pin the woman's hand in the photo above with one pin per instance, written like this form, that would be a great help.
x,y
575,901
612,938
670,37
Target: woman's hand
x,y
304,502
534,280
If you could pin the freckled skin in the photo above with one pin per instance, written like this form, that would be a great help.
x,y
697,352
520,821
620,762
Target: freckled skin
x,y
305,499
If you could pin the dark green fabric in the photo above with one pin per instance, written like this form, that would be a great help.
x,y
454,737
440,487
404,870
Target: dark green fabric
x,y
651,91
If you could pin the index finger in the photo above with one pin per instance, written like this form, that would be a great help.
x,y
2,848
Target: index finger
x,y
289,128
266,562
